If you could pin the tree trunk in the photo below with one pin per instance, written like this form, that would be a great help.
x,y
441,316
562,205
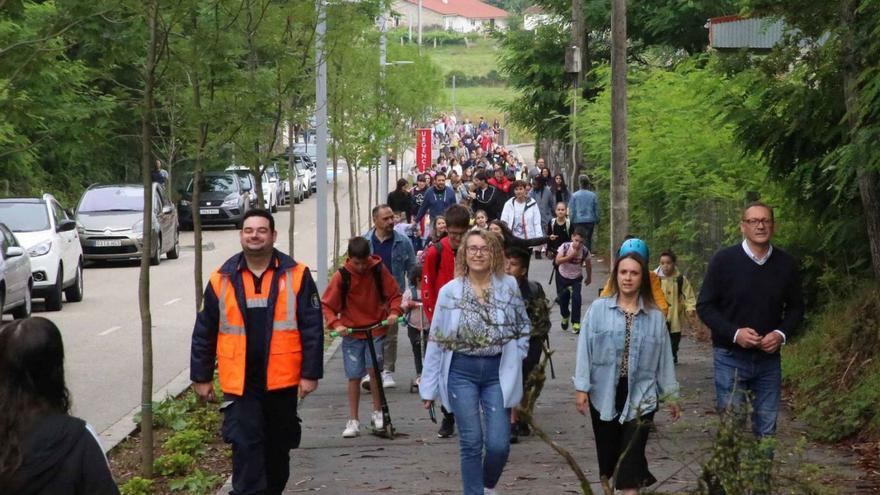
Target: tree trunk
x,y
357,201
868,180
352,215
369,192
619,180
335,212
290,176
149,75
578,39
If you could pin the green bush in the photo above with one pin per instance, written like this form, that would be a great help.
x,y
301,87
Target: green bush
x,y
833,372
170,413
197,483
137,486
206,419
190,442
175,464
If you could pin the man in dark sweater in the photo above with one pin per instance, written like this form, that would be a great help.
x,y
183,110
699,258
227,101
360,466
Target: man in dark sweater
x,y
752,301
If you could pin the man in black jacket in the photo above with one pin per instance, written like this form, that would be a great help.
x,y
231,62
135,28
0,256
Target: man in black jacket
x,y
487,197
261,321
752,301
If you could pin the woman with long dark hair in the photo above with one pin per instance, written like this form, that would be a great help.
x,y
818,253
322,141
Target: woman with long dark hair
x,y
43,450
624,370
400,200
560,189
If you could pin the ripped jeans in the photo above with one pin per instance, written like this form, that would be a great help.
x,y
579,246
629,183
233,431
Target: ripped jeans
x,y
476,399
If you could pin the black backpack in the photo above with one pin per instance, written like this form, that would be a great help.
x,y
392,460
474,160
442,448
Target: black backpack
x,y
346,283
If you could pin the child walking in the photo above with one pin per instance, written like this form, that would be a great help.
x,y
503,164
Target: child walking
x,y
571,259
679,294
360,294
417,323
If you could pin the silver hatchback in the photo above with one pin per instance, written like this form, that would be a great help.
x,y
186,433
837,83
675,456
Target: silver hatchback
x,y
111,226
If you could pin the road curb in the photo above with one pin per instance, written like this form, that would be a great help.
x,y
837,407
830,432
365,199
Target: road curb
x,y
122,429
328,355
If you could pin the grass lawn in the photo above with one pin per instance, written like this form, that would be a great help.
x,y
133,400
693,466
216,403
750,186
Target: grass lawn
x,y
477,60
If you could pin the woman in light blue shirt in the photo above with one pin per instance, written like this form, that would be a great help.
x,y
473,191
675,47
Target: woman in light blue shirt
x,y
473,362
624,369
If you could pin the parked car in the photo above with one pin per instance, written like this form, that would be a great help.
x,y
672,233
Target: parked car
x,y
303,174
16,280
282,188
49,235
224,199
248,182
111,226
311,169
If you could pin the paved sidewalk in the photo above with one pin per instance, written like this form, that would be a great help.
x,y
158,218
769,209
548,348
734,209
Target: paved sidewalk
x,y
421,463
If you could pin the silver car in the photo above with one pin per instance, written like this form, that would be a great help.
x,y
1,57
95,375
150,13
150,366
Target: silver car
x,y
16,280
110,223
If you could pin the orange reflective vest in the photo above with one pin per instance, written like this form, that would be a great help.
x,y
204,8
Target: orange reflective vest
x,y
285,348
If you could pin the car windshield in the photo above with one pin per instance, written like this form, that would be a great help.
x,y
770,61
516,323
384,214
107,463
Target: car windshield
x,y
25,217
112,199
215,183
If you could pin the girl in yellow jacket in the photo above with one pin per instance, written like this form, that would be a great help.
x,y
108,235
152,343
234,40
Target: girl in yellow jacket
x,y
679,294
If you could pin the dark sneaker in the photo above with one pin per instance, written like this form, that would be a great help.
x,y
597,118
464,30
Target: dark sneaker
x,y
564,324
523,429
447,427
514,433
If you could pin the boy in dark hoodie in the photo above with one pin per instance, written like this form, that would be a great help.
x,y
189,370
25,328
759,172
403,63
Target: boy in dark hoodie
x,y
360,294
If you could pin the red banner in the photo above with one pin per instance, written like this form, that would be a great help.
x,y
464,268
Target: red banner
x,y
423,149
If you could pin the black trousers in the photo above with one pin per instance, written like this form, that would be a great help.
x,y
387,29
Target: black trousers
x,y
415,340
536,346
621,447
262,429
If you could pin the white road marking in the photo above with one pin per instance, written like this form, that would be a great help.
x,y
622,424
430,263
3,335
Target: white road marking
x,y
176,299
109,331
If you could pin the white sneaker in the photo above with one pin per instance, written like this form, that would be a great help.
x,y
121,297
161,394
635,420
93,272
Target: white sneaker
x,y
378,422
388,380
365,382
352,429
489,491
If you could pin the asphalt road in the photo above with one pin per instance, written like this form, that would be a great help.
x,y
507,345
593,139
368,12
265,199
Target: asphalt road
x,y
102,334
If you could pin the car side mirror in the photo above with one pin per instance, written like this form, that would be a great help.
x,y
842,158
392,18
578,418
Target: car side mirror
x,y
246,188
15,251
167,209
65,226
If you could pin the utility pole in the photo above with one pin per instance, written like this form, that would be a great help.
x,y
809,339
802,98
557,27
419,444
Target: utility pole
x,y
321,146
419,21
619,179
382,191
578,47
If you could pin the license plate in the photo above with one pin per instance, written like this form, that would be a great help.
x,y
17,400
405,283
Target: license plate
x,y
209,211
108,243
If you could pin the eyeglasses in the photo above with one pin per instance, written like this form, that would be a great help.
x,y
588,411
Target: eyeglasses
x,y
754,222
481,250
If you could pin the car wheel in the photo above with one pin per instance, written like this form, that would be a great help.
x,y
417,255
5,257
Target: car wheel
x,y
186,227
24,311
53,298
156,257
174,253
74,293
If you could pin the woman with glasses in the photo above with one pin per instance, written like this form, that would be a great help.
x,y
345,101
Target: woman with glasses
x,y
473,361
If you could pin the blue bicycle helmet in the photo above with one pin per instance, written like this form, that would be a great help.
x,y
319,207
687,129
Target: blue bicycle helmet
x,y
637,246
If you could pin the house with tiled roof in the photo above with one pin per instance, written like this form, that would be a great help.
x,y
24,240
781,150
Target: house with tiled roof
x,y
463,16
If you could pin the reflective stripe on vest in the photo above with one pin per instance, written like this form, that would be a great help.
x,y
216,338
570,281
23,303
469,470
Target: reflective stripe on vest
x,y
285,348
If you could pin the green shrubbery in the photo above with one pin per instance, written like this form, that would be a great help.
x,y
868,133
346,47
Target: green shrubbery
x,y
492,78
429,37
194,425
833,371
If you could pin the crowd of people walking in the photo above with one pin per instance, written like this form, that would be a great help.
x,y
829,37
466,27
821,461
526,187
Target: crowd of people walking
x,y
447,259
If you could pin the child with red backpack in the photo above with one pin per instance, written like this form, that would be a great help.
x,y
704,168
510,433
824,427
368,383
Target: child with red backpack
x,y
571,259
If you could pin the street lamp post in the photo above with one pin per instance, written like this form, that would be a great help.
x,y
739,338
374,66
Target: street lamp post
x,y
321,146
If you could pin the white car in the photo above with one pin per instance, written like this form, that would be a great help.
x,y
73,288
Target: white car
x,y
50,237
15,276
270,193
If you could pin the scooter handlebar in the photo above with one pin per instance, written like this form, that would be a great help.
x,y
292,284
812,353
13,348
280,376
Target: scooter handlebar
x,y
383,323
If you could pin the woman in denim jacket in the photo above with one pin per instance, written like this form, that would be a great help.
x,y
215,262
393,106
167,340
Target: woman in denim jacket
x,y
624,369
479,336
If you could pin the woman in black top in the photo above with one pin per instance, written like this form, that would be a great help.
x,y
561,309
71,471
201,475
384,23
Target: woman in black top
x,y
43,450
560,190
400,199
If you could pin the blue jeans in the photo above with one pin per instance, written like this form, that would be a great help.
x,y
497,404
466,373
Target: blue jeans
x,y
473,386
745,377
